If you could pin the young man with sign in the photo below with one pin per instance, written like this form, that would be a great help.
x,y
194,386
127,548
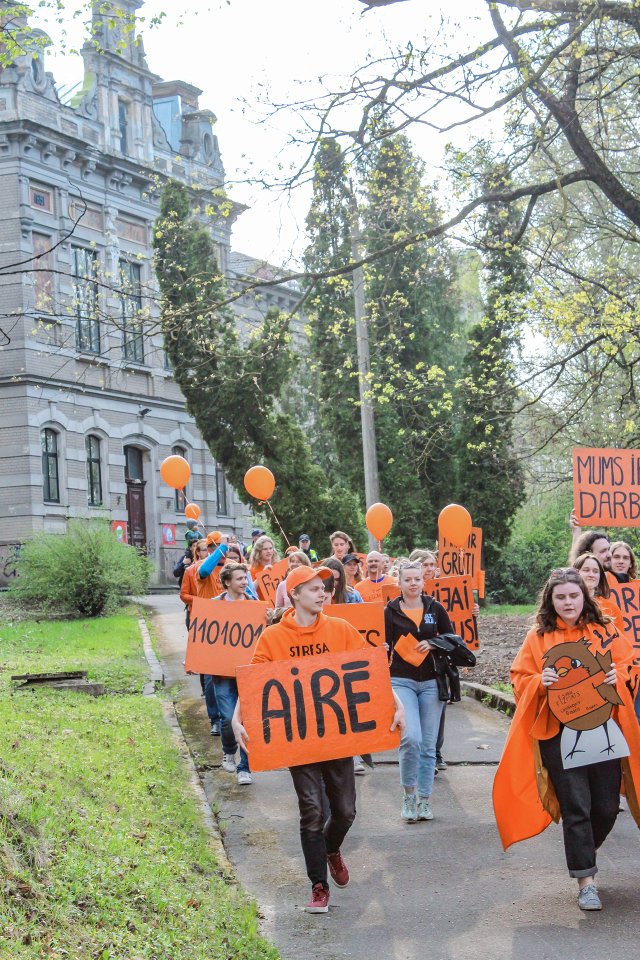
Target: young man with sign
x,y
234,578
305,631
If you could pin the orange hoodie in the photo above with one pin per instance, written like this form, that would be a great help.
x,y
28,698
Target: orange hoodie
x,y
524,800
288,639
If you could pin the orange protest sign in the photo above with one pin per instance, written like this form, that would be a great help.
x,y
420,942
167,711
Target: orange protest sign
x,y
390,591
222,635
317,708
367,618
606,487
407,647
372,592
481,584
462,561
267,581
456,596
627,596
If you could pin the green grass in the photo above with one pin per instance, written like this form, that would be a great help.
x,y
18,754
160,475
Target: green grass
x,y
103,854
507,609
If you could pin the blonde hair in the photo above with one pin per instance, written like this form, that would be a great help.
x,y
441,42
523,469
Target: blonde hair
x,y
258,547
299,555
633,568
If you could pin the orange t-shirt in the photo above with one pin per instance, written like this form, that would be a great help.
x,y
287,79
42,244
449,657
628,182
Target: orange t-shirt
x,y
415,615
370,591
288,639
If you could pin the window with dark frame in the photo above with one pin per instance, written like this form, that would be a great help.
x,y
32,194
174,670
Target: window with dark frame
x,y
50,472
131,299
180,495
123,123
221,492
133,464
85,296
94,471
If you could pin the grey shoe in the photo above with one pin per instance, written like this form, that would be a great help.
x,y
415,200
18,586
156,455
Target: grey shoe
x,y
588,898
410,808
228,762
424,809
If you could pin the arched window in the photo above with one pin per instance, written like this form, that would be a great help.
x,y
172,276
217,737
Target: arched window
x,y
181,495
50,471
94,472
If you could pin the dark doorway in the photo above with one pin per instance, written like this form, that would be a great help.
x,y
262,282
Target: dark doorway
x,y
134,477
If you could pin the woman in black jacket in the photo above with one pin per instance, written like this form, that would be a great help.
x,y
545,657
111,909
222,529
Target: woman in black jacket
x,y
411,621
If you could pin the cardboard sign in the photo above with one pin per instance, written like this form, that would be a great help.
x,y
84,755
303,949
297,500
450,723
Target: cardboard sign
x,y
577,701
368,618
373,592
627,596
456,596
462,561
267,581
606,487
406,647
222,635
317,708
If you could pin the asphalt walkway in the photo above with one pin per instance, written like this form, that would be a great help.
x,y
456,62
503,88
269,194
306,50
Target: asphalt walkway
x,y
442,890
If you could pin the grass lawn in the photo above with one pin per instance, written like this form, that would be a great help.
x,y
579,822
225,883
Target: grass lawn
x,y
507,609
103,854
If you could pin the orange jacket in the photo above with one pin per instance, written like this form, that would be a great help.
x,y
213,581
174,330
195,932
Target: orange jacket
x,y
188,587
524,800
288,639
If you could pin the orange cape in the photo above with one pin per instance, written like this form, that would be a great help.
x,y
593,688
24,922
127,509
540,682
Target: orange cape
x,y
524,800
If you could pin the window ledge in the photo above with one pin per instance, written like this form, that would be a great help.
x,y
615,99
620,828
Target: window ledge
x,y
136,366
95,358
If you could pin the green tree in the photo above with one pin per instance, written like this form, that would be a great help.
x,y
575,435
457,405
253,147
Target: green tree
x,y
232,384
490,480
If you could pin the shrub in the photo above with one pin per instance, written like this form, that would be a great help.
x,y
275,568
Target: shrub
x,y
83,572
540,540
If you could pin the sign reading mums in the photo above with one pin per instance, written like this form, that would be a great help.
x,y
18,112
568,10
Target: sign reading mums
x,y
317,708
606,487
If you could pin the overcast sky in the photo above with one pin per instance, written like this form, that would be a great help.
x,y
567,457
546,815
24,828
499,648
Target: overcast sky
x,y
247,50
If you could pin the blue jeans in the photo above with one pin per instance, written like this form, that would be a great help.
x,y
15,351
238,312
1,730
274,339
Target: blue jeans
x,y
213,711
227,696
422,709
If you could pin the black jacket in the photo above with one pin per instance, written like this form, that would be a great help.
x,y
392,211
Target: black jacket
x,y
179,569
435,621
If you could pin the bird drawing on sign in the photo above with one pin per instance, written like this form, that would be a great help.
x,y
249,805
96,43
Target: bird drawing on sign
x,y
580,698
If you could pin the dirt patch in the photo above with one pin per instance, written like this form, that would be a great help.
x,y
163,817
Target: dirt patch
x,y
500,639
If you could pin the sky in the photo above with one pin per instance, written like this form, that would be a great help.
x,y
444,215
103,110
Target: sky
x,y
245,52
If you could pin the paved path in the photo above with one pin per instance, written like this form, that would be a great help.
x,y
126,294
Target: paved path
x,y
442,890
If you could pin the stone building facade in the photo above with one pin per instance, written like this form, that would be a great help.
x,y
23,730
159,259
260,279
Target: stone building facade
x,y
89,406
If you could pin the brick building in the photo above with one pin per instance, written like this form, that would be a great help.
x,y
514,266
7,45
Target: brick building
x,y
89,406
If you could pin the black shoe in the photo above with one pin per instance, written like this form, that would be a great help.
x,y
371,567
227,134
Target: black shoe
x,y
215,729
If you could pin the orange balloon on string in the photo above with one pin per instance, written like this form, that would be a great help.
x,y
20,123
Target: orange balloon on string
x,y
192,511
175,471
259,482
454,524
379,520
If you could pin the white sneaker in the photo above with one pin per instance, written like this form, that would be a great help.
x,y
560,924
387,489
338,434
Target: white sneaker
x,y
244,778
228,762
358,767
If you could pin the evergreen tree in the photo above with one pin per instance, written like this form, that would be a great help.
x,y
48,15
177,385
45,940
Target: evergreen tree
x,y
416,341
490,476
232,388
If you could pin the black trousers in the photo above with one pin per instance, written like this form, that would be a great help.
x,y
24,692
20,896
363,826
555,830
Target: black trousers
x,y
318,838
589,799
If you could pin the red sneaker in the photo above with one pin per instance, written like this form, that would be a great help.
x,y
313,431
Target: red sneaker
x,y
319,902
338,869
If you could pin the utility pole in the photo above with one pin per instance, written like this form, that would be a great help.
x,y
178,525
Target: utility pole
x,y
369,452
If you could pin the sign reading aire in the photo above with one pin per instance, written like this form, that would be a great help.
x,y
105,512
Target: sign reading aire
x,y
317,708
223,635
606,487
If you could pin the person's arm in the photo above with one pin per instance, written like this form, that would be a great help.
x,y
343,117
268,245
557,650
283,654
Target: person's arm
x,y
185,589
208,566
398,716
239,732
576,529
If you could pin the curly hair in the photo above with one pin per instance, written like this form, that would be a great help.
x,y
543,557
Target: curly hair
x,y
228,571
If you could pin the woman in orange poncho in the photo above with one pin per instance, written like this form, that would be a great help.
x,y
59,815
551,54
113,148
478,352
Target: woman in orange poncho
x,y
531,786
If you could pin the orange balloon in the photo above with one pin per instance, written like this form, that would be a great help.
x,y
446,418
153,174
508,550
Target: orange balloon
x,y
259,482
175,471
454,524
379,520
192,511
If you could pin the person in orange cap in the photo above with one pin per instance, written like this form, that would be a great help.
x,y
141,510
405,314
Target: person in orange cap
x,y
305,631
537,780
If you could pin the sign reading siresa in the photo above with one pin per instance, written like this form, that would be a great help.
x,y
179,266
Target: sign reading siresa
x,y
222,635
456,596
606,487
320,708
367,618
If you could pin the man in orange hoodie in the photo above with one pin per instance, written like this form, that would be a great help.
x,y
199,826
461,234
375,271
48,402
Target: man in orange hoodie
x,y
305,631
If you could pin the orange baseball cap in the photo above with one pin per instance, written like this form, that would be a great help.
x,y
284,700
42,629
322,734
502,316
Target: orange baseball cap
x,y
303,574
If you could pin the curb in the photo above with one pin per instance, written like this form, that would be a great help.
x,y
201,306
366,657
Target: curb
x,y
171,719
489,697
